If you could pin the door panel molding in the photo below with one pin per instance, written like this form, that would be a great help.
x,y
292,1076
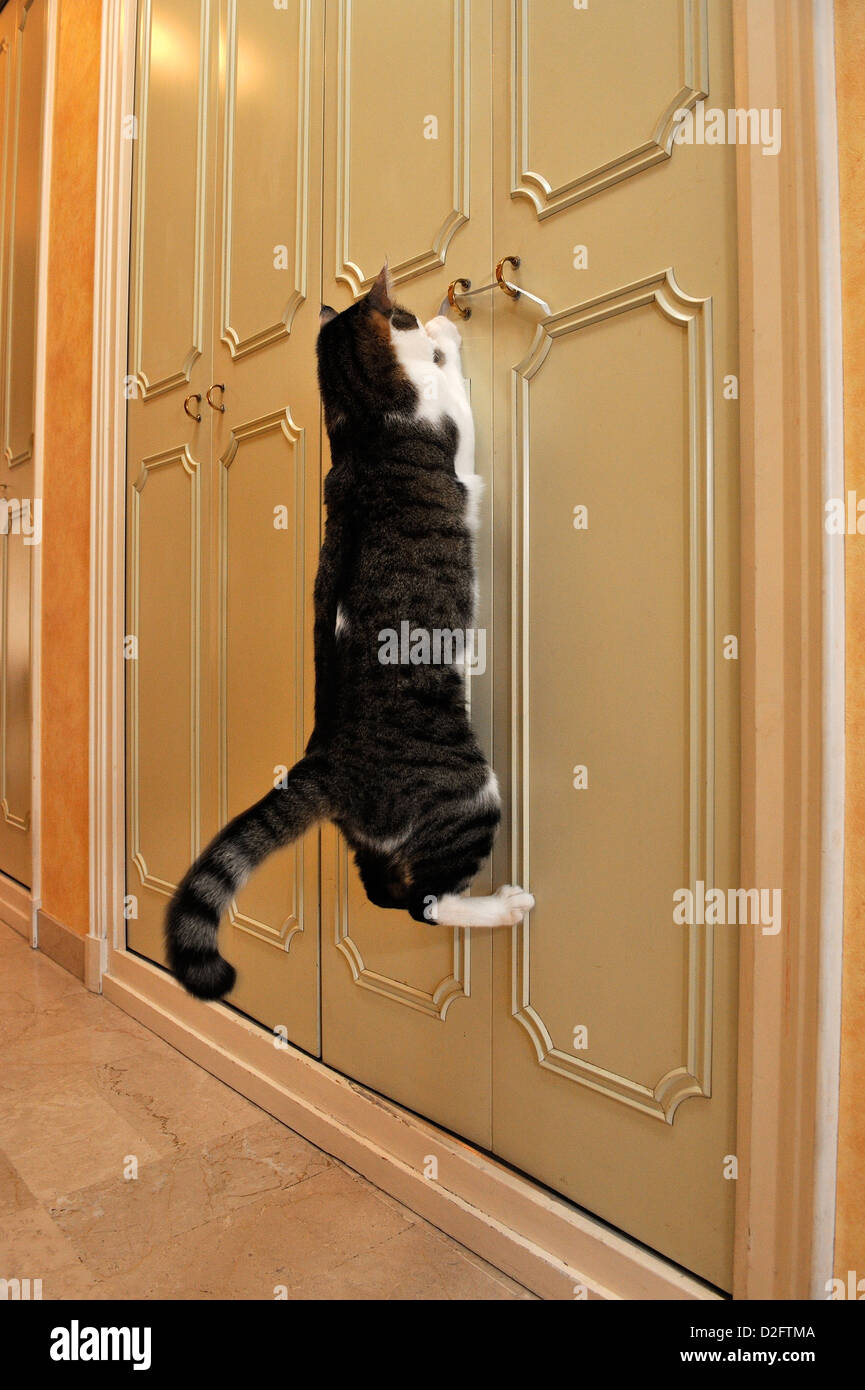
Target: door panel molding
x,y
280,934
159,464
534,185
159,379
348,271
21,396
19,821
693,1076
436,1001
240,345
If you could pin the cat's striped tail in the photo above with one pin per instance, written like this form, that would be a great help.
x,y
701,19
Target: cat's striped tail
x,y
192,919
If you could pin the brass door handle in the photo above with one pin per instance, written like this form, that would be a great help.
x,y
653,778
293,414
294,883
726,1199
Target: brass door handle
x,y
217,386
500,280
190,413
459,284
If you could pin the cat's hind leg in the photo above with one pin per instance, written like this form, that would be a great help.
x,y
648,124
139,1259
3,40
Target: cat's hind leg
x,y
384,878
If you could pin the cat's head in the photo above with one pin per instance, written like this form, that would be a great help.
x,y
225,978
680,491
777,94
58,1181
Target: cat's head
x,y
363,354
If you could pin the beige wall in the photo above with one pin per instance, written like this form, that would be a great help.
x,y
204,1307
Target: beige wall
x,y
850,1219
66,491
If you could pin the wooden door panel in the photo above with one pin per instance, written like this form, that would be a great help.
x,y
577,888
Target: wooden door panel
x,y
265,508
22,63
614,1027
22,265
406,1009
636,634
16,558
261,628
219,586
402,124
168,456
168,294
580,122
164,711
265,234
168,452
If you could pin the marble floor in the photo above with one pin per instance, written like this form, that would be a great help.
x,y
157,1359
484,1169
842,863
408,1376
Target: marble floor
x,y
128,1172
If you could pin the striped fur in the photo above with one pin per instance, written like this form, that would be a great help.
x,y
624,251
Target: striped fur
x,y
392,760
206,891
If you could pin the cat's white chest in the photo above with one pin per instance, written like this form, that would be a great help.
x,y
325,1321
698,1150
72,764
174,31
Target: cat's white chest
x,y
442,394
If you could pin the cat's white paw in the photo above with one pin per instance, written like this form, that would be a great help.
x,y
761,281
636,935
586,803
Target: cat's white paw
x,y
515,901
442,329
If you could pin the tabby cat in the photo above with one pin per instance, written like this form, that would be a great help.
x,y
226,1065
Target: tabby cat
x,y
392,759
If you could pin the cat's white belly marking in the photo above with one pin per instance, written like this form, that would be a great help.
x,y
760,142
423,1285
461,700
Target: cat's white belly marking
x,y
474,485
341,624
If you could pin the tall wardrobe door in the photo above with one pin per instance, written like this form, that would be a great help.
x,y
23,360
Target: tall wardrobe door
x,y
407,175
264,516
614,1026
22,74
168,455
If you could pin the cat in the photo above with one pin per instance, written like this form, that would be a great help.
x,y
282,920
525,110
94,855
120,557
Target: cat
x,y
392,758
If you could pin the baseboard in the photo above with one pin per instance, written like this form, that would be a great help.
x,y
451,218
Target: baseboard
x,y
16,907
63,945
541,1241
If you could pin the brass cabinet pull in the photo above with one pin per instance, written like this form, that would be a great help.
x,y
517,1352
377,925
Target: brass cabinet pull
x,y
217,386
190,413
463,288
459,284
500,279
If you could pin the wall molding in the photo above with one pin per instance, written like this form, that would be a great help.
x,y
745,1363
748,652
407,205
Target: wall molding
x,y
108,470
62,945
791,658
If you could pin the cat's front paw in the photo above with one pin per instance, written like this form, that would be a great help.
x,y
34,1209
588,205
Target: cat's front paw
x,y
443,330
516,901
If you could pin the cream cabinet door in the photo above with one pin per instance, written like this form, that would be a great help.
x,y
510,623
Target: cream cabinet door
x,y
407,175
22,67
614,1028
264,508
224,511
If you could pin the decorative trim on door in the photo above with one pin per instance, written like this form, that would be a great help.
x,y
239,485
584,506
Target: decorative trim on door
x,y
180,455
348,272
282,933
693,1076
532,184
436,1002
20,822
155,387
238,346
8,268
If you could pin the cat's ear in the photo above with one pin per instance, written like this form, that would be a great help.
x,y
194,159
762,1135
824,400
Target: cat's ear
x,y
326,315
381,291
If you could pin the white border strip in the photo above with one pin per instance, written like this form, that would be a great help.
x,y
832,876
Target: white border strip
x,y
833,712
108,463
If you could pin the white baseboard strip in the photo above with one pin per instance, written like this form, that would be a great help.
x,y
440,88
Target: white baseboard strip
x,y
537,1239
